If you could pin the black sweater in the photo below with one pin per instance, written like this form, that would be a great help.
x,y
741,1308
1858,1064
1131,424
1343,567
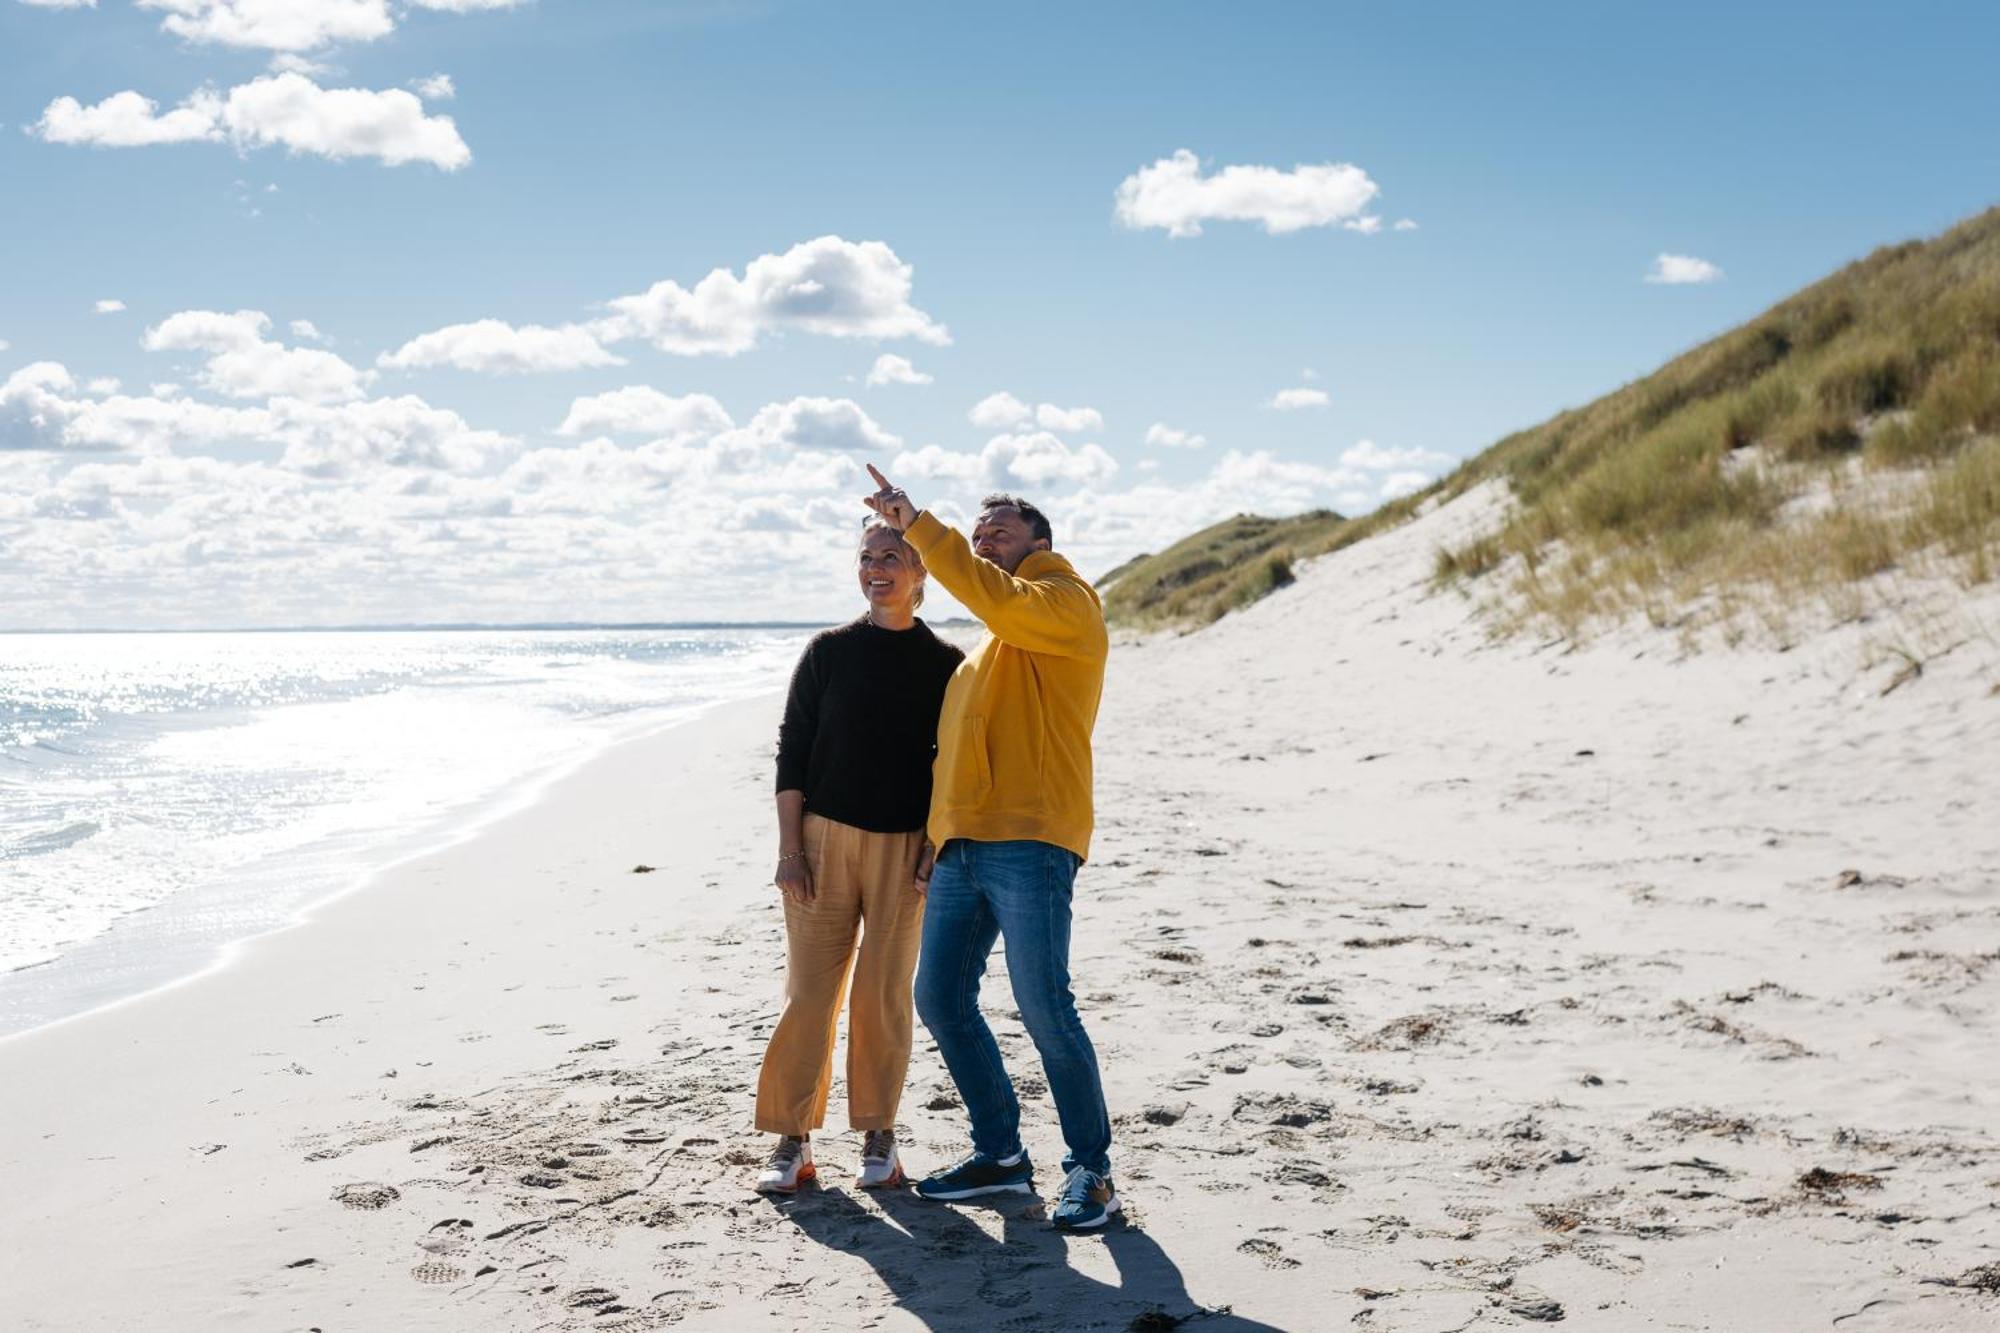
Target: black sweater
x,y
860,724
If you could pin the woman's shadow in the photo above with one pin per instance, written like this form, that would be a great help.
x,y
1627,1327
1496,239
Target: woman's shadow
x,y
951,1273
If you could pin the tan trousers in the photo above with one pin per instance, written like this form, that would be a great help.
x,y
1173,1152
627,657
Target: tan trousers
x,y
865,880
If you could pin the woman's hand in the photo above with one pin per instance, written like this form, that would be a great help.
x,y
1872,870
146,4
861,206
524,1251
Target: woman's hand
x,y
926,863
891,502
794,878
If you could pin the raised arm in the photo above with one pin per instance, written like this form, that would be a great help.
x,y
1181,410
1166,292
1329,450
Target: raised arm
x,y
1057,615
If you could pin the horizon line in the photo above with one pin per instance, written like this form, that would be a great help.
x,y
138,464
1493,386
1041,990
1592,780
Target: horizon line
x,y
453,626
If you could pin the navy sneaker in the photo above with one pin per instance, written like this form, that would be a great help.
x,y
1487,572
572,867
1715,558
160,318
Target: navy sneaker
x,y
979,1174
1087,1201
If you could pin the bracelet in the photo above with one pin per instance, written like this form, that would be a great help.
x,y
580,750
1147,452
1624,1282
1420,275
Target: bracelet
x,y
791,856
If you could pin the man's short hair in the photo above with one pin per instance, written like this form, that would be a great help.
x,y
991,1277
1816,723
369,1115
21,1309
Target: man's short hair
x,y
1037,521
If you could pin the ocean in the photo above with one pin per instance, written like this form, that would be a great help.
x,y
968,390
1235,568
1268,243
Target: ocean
x,y
165,795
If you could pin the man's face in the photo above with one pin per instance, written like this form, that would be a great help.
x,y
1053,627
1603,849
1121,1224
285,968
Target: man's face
x,y
1002,537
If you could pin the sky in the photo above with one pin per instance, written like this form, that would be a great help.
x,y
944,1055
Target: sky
x,y
415,311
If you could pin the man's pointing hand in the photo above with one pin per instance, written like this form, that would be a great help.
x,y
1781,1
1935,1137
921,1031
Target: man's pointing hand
x,y
890,502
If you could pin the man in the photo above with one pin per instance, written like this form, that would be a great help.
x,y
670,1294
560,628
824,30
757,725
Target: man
x,y
1011,819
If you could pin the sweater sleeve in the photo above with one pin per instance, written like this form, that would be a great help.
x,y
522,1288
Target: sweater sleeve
x,y
801,721
1058,616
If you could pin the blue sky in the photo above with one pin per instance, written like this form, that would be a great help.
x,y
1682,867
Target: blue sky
x,y
1548,154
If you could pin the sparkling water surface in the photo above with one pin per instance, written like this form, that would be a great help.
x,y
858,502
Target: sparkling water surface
x,y
164,794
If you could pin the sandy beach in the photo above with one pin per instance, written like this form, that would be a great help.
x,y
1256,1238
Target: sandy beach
x,y
1439,983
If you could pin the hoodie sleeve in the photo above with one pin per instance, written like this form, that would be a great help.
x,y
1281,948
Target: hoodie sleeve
x,y
1059,615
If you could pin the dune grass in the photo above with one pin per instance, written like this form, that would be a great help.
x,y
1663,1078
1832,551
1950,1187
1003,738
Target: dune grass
x,y
1203,577
1848,432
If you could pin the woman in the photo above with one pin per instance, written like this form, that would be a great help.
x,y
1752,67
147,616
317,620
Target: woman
x,y
854,790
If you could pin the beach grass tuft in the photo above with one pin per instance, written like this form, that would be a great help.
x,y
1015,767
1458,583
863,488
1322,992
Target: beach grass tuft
x,y
1850,433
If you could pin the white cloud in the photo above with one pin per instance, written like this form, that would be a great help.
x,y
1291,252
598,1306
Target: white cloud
x,y
275,25
828,425
4,344
129,120
1677,269
61,4
291,25
291,62
285,110
103,385
1032,458
1369,456
305,329
436,88
936,463
828,286
1293,400
42,408
1406,224
999,411
639,409
109,306
1398,484
1173,194
1068,420
892,369
1277,485
405,432
242,363
34,406
1162,436
296,113
495,347
1042,459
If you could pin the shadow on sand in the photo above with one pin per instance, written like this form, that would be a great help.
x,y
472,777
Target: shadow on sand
x,y
951,1273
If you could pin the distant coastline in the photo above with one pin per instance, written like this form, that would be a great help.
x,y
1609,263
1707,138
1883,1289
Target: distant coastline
x,y
470,627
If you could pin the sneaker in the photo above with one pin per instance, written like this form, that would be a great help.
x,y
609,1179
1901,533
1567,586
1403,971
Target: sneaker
x,y
1087,1201
979,1174
880,1167
790,1166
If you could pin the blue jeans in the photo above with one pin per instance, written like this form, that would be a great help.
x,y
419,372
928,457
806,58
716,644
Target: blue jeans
x,y
1020,892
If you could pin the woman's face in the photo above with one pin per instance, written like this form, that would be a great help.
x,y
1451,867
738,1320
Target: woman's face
x,y
888,570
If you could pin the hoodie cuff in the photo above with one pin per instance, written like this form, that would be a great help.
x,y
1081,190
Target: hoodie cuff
x,y
925,533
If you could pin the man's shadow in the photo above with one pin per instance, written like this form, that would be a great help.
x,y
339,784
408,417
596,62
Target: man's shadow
x,y
949,1272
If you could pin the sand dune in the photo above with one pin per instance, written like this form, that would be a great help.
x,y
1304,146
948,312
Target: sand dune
x,y
1439,984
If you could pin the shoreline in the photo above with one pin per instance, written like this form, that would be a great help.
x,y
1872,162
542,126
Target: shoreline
x,y
71,972
222,1057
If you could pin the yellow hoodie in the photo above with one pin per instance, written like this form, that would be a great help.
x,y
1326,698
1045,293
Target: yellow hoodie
x,y
1013,739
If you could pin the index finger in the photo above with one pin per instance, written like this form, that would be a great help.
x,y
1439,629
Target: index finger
x,y
876,473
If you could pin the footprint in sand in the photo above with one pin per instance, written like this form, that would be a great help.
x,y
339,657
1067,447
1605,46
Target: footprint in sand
x,y
367,1195
643,1136
446,1237
1268,1252
437,1273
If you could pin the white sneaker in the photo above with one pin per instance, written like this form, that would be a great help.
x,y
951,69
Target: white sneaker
x,y
880,1167
790,1165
